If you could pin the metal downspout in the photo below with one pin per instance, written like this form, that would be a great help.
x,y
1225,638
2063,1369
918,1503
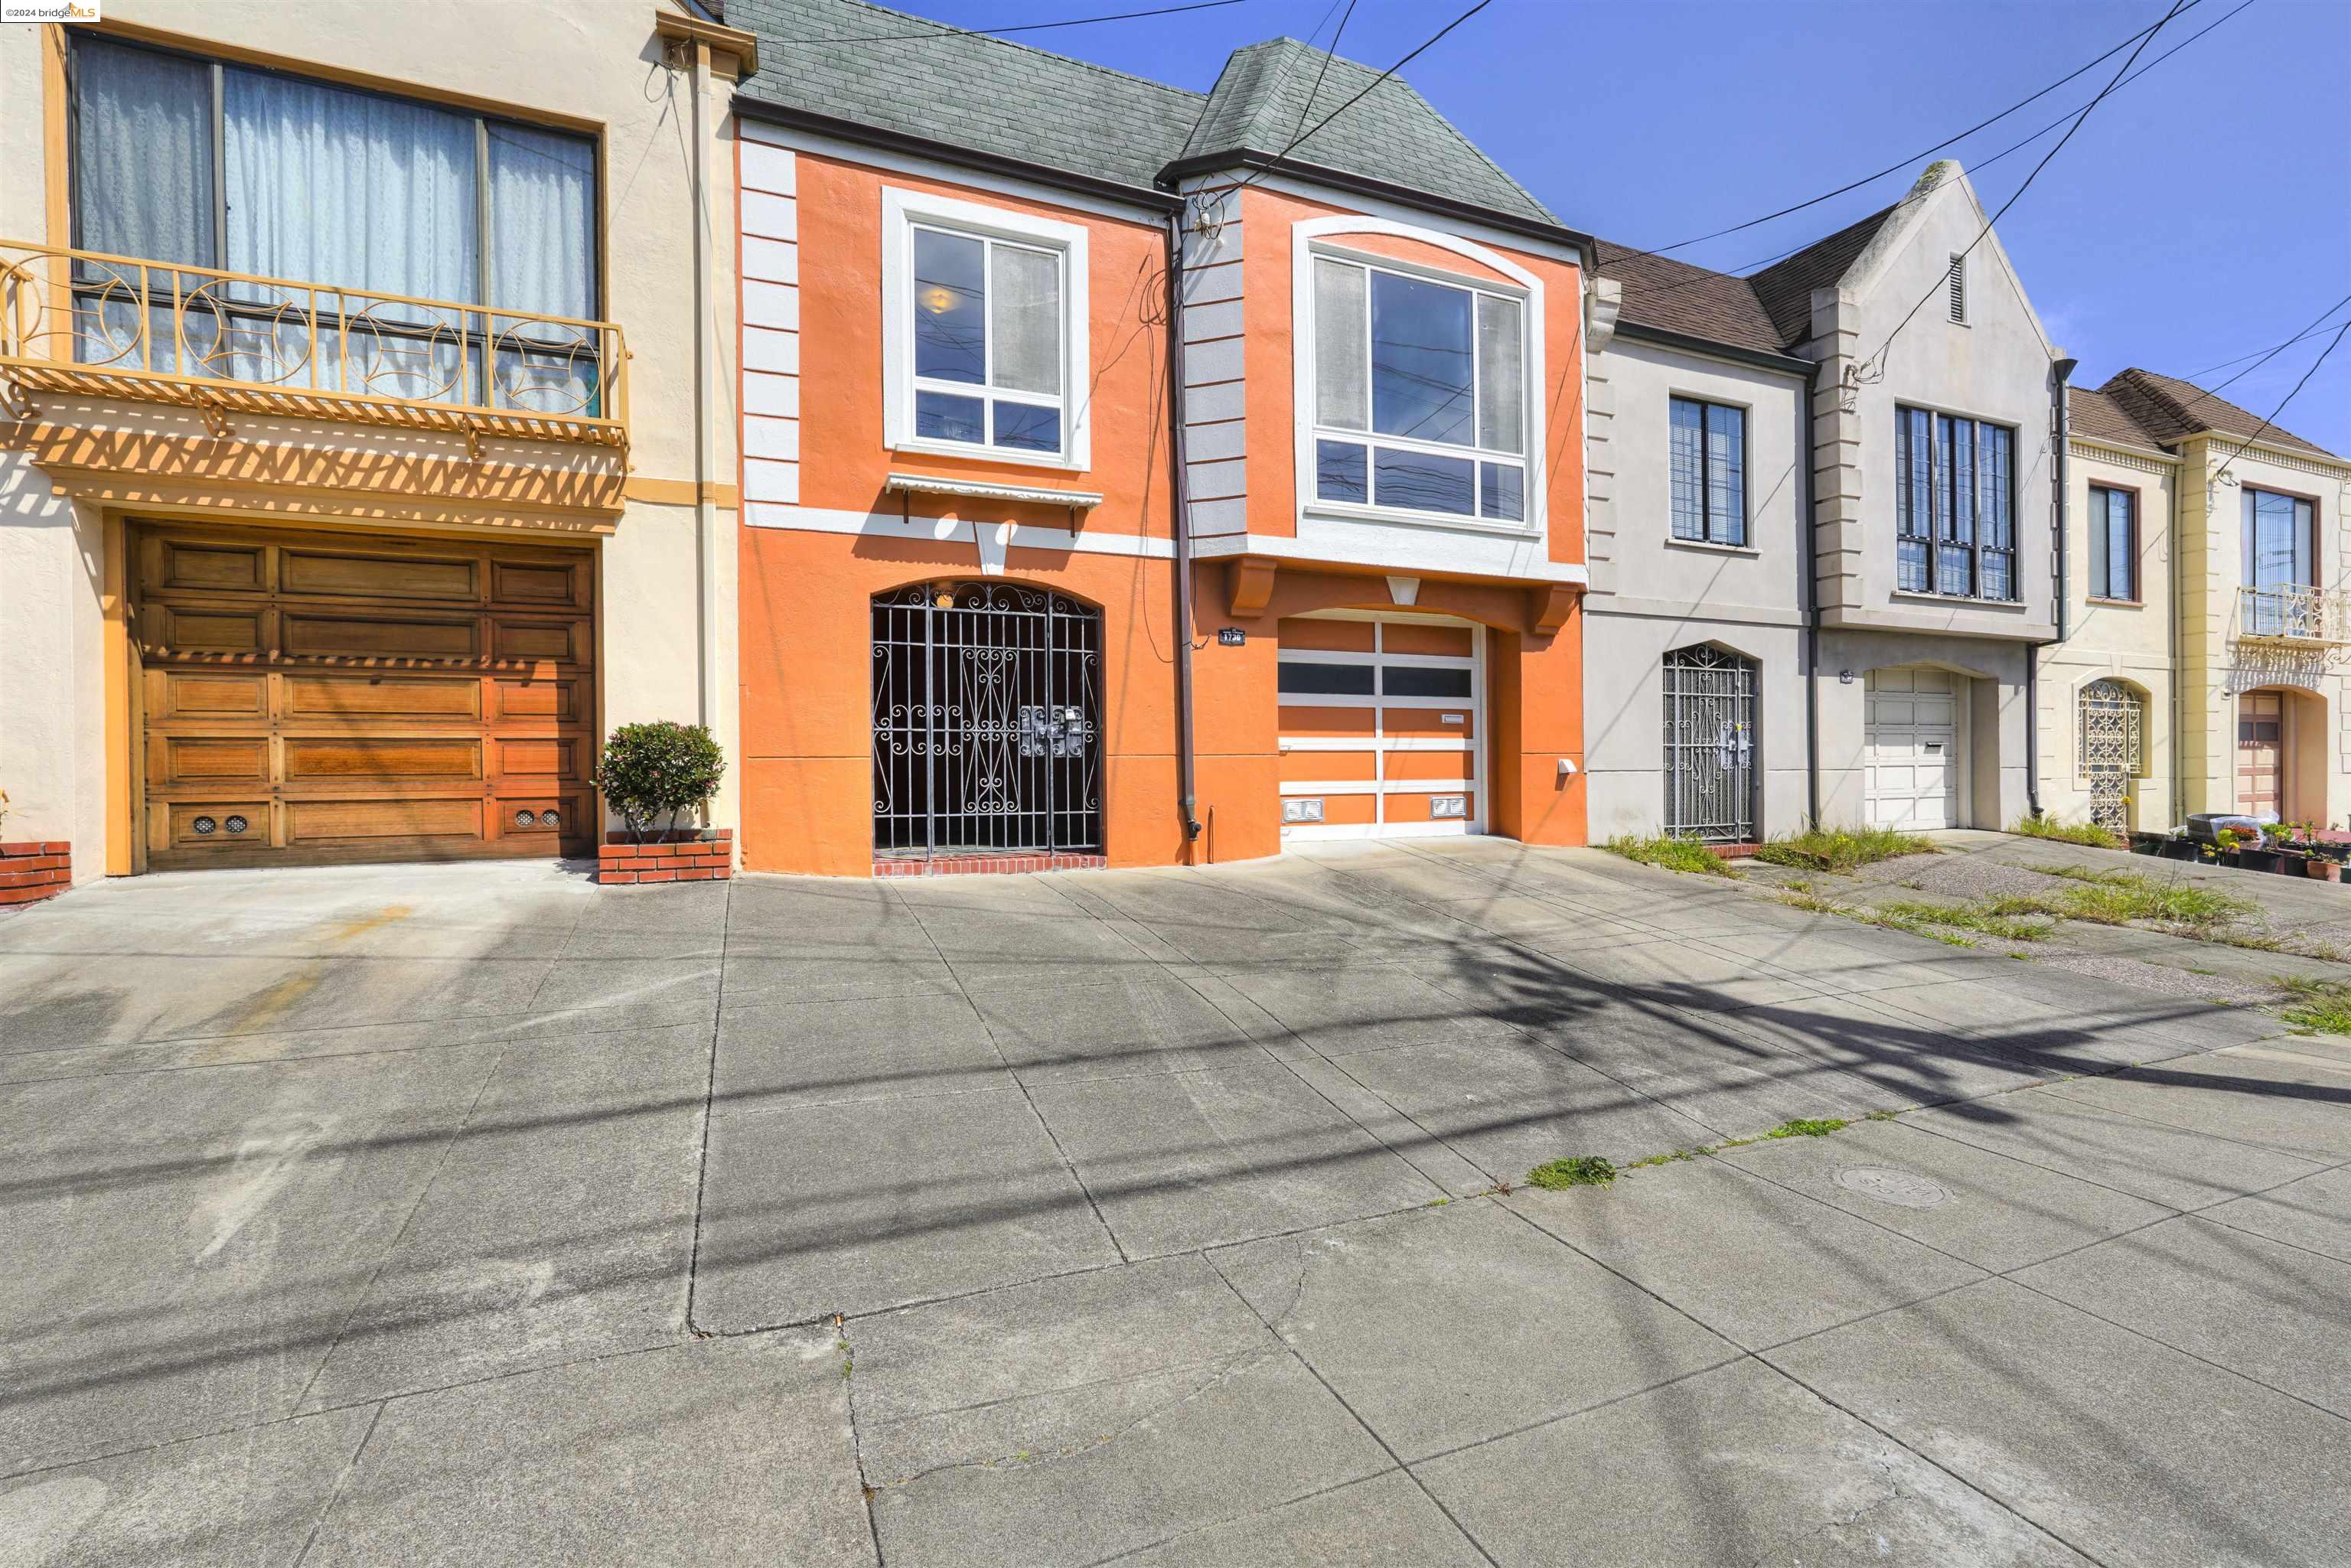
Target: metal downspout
x,y
706,520
1180,526
2059,477
1808,596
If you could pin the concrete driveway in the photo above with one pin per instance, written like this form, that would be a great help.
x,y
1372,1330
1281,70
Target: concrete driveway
x,y
476,1216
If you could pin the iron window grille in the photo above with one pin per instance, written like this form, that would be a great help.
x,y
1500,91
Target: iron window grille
x,y
1709,744
986,720
2113,750
1954,505
1710,470
2114,543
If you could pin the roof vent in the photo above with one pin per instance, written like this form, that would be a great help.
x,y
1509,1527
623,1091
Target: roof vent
x,y
1958,283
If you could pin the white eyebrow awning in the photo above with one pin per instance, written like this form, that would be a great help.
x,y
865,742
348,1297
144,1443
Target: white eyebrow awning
x,y
984,490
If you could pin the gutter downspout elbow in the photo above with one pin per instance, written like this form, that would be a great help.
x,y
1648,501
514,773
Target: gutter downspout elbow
x,y
1180,526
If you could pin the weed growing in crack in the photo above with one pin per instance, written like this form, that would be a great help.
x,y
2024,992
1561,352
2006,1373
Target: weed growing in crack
x,y
2320,1005
1842,849
1807,1127
1573,1170
1672,854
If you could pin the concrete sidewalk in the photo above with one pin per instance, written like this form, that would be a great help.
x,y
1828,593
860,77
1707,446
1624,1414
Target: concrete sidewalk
x,y
472,1214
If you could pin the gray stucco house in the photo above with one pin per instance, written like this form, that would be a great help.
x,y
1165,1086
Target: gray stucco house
x,y
1821,505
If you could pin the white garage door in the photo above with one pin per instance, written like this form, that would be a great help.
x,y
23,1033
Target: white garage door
x,y
1916,730
1381,726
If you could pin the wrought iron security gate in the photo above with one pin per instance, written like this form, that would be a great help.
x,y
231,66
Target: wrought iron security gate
x,y
1710,746
2110,751
986,720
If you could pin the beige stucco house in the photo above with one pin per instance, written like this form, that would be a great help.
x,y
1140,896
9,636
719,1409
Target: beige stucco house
x,y
1838,474
363,457
2229,640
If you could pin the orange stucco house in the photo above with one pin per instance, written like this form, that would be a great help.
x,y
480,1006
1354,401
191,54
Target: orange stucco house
x,y
1027,578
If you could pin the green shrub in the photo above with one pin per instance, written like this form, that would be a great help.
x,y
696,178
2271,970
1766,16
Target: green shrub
x,y
650,771
2088,833
1842,849
1673,853
1573,1170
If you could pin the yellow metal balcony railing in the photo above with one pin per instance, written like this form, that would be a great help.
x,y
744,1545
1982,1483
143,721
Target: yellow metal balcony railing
x,y
2294,612
81,323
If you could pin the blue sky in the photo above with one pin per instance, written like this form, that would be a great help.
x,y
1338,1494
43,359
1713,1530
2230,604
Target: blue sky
x,y
2202,212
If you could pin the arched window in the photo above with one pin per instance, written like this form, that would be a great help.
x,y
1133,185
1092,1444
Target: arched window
x,y
1711,745
2112,751
986,720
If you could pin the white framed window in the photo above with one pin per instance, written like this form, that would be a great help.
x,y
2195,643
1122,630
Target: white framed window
x,y
1413,386
983,331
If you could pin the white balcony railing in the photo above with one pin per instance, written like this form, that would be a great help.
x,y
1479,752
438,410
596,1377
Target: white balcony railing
x,y
2294,612
82,323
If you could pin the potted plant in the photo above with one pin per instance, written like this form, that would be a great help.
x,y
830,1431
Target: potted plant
x,y
2277,842
651,774
2147,843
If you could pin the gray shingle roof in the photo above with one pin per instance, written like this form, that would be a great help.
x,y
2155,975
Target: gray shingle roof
x,y
2170,409
885,68
854,61
1260,102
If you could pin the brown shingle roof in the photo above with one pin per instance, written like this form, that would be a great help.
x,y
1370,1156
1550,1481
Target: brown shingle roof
x,y
2170,409
1676,296
2094,416
1786,287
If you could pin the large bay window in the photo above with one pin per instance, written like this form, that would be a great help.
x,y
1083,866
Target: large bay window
x,y
984,331
1954,505
1420,393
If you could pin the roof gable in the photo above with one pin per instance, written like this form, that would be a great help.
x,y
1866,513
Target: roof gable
x,y
1269,93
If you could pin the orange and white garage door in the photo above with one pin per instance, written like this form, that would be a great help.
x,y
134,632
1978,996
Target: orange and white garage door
x,y
1381,726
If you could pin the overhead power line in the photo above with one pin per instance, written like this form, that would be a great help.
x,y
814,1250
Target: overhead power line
x,y
2265,358
2303,337
1878,358
1902,163
944,31
2333,344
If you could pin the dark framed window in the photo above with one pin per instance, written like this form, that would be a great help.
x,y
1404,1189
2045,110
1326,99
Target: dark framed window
x,y
2113,542
2278,541
1710,470
1954,505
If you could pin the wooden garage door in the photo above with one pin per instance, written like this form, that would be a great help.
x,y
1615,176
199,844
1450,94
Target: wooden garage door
x,y
1379,727
308,698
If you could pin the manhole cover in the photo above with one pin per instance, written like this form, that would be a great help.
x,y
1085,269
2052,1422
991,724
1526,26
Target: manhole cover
x,y
1900,1188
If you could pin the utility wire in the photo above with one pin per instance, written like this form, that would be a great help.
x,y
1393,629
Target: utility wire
x,y
1748,268
2263,353
1328,55
2310,331
1878,358
946,31
2289,397
1906,162
1425,46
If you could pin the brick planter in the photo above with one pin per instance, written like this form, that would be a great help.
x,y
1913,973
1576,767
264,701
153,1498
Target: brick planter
x,y
684,856
33,870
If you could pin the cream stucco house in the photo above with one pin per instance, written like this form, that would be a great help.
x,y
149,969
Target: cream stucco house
x,y
1824,494
364,456
2202,674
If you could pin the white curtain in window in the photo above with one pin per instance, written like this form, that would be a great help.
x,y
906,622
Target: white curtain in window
x,y
1342,351
1501,376
542,221
334,187
1024,325
144,154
